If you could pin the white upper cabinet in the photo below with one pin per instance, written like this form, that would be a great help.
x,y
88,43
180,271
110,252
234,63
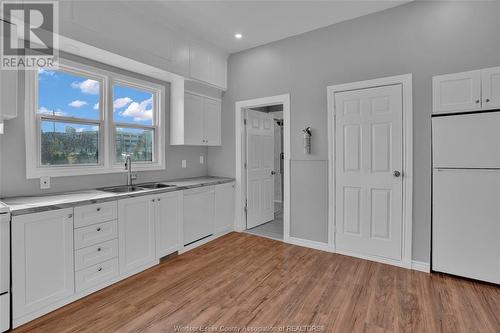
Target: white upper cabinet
x,y
8,94
466,91
457,92
42,260
491,87
207,65
199,124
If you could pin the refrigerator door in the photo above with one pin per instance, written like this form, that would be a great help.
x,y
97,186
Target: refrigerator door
x,y
466,141
466,223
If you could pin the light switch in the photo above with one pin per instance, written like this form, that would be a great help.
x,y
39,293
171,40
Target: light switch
x,y
202,159
184,164
44,182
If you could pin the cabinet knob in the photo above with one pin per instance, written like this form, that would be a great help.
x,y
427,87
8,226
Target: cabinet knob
x,y
99,269
153,200
98,209
159,199
99,249
477,101
487,100
70,216
99,229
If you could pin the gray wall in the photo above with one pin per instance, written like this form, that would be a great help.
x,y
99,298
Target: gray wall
x,y
13,160
424,38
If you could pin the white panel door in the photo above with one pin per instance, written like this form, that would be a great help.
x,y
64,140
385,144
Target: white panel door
x,y
136,233
466,140
490,78
466,223
456,92
168,222
368,150
42,260
212,121
260,168
193,119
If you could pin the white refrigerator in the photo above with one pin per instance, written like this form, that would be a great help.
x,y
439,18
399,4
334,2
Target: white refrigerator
x,y
466,195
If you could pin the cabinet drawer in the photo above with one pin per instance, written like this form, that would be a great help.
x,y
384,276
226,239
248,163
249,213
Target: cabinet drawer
x,y
95,213
96,274
95,254
95,234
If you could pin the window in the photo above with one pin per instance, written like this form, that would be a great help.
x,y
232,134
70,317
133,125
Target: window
x,y
84,120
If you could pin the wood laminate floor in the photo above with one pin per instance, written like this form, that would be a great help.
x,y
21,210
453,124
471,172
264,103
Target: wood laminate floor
x,y
248,281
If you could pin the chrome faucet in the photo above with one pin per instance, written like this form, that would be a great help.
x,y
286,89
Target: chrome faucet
x,y
131,176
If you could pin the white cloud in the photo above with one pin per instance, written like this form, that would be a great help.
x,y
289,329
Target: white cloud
x,y
77,103
96,106
44,71
45,110
87,87
121,102
139,111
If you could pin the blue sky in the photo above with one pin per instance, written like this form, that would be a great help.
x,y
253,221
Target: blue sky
x,y
70,95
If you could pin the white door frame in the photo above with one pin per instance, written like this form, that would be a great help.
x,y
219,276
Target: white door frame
x,y
239,130
406,82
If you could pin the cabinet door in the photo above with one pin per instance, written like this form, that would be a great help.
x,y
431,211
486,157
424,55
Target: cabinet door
x,y
199,62
218,70
198,219
457,92
136,234
42,260
193,119
168,222
212,122
224,207
491,87
465,223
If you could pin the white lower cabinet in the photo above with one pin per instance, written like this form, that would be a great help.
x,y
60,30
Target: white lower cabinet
x,y
168,212
224,207
42,260
198,222
136,232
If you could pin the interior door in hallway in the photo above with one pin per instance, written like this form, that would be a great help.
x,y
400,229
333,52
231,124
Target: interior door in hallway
x,y
368,171
260,168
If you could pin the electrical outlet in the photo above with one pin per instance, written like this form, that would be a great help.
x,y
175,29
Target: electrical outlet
x,y
202,159
184,164
44,182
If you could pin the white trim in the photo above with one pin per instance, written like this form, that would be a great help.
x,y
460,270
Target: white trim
x,y
202,95
240,190
310,244
406,82
106,148
420,266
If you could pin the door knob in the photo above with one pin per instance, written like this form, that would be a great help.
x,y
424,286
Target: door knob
x,y
396,173
273,172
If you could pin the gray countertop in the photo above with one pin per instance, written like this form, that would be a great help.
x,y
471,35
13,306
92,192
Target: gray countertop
x,y
34,204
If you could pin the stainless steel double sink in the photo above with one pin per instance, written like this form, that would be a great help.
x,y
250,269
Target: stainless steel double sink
x,y
134,188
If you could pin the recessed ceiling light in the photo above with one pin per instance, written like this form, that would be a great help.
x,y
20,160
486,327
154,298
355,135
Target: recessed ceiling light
x,y
238,36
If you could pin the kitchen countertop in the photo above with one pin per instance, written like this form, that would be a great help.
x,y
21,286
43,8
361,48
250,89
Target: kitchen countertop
x,y
41,203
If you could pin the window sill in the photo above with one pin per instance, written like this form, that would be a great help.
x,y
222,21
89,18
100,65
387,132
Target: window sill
x,y
87,170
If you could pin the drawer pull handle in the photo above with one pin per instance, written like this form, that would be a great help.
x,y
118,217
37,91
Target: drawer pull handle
x,y
99,269
99,229
70,216
98,209
99,249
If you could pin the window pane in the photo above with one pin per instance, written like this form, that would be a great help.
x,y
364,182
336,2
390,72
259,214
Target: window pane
x,y
132,105
69,143
138,143
64,94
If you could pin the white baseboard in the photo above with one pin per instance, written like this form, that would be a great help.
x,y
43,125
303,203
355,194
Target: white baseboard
x,y
309,243
381,260
421,266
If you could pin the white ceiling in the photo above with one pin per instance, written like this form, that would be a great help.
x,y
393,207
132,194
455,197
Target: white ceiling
x,y
260,22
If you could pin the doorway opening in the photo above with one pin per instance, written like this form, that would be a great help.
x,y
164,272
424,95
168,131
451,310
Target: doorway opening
x,y
264,170
262,135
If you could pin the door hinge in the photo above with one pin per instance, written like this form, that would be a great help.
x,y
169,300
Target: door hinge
x,y
245,165
246,206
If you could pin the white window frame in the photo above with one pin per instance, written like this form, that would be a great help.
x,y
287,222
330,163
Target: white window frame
x,y
106,159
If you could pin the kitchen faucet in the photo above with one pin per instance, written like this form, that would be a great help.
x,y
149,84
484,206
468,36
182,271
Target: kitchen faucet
x,y
128,166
